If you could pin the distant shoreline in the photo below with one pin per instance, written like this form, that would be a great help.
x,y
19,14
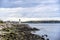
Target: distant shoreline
x,y
41,22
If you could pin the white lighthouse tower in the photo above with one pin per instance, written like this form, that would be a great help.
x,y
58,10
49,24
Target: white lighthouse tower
x,y
19,21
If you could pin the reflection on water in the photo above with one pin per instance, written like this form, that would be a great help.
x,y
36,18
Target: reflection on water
x,y
52,30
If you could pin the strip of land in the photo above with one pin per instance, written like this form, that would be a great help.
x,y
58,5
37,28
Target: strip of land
x,y
43,21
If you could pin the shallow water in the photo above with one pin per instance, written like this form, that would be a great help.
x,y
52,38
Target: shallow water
x,y
51,29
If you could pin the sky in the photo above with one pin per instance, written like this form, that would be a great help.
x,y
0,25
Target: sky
x,y
13,9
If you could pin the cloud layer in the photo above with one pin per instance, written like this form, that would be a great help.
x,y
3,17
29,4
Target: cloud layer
x,y
25,3
29,9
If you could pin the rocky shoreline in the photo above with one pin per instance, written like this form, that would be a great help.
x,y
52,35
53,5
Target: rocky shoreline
x,y
20,32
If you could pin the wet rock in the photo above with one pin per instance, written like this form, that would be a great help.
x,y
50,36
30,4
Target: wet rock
x,y
20,32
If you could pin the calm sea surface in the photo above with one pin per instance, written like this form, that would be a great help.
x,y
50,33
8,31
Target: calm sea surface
x,y
51,29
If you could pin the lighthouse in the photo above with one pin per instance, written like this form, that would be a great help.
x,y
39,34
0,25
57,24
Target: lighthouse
x,y
19,21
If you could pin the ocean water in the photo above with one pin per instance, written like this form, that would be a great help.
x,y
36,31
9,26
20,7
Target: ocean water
x,y
51,29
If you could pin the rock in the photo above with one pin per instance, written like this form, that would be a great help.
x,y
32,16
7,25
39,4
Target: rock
x,y
20,32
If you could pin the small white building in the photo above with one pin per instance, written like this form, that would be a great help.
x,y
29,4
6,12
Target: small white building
x,y
19,21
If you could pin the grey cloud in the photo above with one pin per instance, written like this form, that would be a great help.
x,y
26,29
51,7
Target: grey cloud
x,y
18,3
25,3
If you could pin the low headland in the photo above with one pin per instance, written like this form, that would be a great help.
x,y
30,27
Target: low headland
x,y
43,21
18,31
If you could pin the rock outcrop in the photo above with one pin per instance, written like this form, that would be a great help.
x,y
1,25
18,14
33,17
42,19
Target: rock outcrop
x,y
19,32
